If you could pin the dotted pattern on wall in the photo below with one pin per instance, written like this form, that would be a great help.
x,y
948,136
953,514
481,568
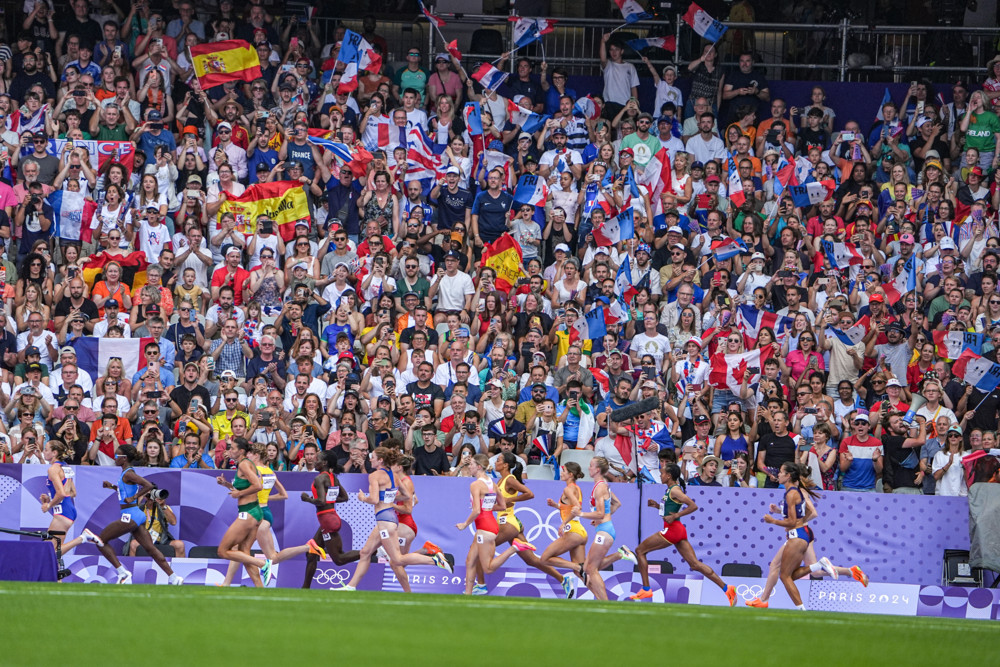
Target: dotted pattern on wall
x,y
362,520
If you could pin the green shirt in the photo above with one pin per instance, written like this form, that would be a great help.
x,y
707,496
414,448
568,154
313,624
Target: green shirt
x,y
407,78
982,131
643,150
117,133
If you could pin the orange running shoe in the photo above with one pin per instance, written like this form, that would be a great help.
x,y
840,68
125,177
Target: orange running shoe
x,y
757,602
317,550
643,594
859,574
431,548
731,594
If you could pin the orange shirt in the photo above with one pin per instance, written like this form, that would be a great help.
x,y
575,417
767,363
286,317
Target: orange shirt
x,y
101,289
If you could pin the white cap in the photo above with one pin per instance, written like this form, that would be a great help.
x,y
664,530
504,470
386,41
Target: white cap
x,y
674,229
893,382
563,247
947,243
757,255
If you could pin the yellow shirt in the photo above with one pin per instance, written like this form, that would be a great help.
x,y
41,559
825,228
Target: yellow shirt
x,y
267,478
223,424
562,345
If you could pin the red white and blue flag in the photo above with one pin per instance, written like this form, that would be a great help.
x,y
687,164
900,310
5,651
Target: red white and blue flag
x,y
668,43
703,23
531,190
750,321
735,185
632,11
981,373
728,247
435,20
542,443
811,194
527,30
623,282
93,354
617,229
951,344
587,108
841,255
489,77
73,214
529,121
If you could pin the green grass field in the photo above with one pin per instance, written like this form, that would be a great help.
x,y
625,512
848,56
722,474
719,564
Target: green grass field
x,y
74,624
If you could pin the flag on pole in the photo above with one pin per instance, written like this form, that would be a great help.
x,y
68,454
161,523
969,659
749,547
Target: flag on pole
x,y
528,30
951,344
981,373
489,77
617,229
596,324
542,443
703,24
529,121
435,20
215,63
632,11
735,185
668,43
357,55
727,248
422,161
810,194
452,48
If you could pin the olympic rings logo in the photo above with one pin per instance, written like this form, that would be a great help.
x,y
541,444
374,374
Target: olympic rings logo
x,y
538,527
329,577
749,592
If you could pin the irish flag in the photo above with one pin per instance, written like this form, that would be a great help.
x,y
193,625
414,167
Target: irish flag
x,y
218,62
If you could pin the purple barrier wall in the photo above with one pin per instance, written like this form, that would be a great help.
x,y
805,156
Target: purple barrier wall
x,y
894,538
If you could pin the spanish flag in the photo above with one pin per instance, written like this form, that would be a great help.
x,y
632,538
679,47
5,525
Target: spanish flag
x,y
284,202
218,62
504,256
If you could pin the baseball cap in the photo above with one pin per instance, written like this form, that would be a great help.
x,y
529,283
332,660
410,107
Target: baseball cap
x,y
68,349
559,130
562,246
523,135
194,178
679,246
228,373
712,178
615,351
294,164
627,151
650,384
224,125
947,243
154,115
110,303
701,419
453,170
696,340
894,383
757,255
451,254
286,86
876,297
262,166
977,171
34,367
697,164
862,417
539,385
674,229
907,238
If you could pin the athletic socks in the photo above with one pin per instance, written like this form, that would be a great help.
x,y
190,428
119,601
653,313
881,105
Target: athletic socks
x,y
815,567
122,571
801,607
172,578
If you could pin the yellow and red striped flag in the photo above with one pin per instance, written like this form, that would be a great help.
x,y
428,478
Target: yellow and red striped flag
x,y
284,202
218,62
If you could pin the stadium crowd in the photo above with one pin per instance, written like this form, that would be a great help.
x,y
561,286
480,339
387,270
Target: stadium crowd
x,y
378,322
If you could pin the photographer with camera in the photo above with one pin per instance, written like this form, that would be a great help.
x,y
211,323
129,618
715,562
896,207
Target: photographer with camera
x,y
159,518
31,450
72,431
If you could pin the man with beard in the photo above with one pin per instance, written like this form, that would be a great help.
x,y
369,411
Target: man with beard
x,y
903,470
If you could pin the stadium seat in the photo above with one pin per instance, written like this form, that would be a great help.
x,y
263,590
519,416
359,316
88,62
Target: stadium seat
x,y
581,456
164,549
958,572
488,42
741,570
540,472
203,552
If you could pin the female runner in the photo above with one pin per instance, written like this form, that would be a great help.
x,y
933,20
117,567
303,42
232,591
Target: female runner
x,y
59,501
326,493
263,535
235,544
604,504
798,511
407,529
484,499
810,558
675,505
574,536
131,488
514,491
382,493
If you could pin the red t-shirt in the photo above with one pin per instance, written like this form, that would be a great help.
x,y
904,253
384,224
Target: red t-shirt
x,y
238,280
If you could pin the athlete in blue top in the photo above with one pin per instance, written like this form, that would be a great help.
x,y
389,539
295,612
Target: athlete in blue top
x,y
603,504
131,490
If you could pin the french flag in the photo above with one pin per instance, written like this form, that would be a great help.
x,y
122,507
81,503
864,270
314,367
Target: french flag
x,y
727,248
981,373
623,282
527,31
73,213
810,194
841,255
784,176
902,284
587,108
529,121
951,344
531,190
489,77
602,380
617,229
632,11
703,23
435,20
93,354
662,172
736,194
357,55
542,443
668,43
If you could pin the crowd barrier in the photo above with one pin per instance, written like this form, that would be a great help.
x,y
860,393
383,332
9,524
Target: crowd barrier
x,y
894,538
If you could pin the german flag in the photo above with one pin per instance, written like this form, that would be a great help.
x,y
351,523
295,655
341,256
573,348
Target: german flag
x,y
284,202
218,62
133,268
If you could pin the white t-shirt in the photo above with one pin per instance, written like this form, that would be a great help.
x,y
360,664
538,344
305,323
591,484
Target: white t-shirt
x,y
619,80
952,483
658,346
549,158
152,240
453,290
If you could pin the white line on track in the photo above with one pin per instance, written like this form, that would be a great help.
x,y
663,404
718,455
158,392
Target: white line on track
x,y
424,601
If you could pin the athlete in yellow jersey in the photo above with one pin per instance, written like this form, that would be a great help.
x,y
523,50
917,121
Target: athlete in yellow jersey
x,y
574,535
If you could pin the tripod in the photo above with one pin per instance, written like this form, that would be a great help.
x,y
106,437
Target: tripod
x,y
56,536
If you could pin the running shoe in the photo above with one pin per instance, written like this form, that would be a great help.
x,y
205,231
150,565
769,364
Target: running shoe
x,y
431,548
383,555
345,587
757,602
859,574
480,589
521,545
442,562
569,586
124,578
317,550
643,594
90,536
583,575
174,580
627,554
265,572
731,594
828,567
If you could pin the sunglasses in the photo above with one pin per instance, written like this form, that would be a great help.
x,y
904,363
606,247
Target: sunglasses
x,y
72,408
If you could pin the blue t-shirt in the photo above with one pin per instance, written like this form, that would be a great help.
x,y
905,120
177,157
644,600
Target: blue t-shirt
x,y
148,142
571,427
180,461
267,157
492,212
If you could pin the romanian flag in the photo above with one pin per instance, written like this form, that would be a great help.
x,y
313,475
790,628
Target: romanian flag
x,y
504,256
218,62
282,201
133,268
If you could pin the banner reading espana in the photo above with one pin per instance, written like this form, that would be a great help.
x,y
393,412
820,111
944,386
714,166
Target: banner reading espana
x,y
218,62
284,202
504,256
